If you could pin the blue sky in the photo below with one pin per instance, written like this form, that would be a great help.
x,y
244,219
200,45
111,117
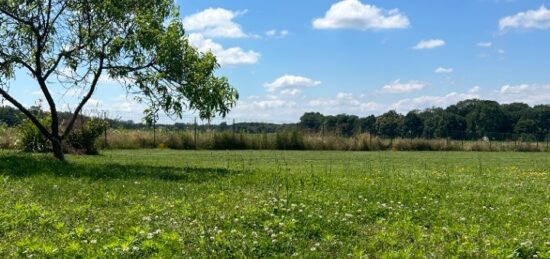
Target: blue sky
x,y
363,57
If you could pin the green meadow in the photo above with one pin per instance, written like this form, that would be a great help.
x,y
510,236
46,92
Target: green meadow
x,y
162,203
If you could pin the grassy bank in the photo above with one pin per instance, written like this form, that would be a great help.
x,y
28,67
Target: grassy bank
x,y
270,203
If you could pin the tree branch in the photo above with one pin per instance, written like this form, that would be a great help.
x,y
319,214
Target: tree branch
x,y
27,113
60,57
130,68
86,98
18,19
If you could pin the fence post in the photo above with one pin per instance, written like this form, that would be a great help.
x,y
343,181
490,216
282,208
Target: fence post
x,y
195,134
155,131
106,127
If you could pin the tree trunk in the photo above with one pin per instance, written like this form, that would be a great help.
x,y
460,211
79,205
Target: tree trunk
x,y
58,150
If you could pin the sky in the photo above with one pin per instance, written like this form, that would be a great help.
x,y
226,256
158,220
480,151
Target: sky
x,y
362,57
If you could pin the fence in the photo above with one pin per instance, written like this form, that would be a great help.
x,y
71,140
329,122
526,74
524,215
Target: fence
x,y
190,132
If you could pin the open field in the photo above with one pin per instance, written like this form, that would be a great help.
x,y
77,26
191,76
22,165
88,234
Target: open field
x,y
276,204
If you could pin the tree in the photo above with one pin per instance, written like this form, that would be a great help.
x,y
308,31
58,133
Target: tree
x,y
312,121
387,124
75,43
368,124
412,125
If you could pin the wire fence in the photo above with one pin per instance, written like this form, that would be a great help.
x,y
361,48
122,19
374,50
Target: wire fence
x,y
127,130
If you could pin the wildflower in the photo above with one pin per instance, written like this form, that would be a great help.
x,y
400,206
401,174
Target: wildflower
x,y
313,249
93,242
146,218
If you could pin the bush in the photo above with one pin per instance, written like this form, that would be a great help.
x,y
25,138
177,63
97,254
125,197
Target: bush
x,y
83,140
5,137
30,139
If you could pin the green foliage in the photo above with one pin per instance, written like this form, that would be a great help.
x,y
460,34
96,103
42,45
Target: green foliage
x,y
141,44
84,139
271,204
30,139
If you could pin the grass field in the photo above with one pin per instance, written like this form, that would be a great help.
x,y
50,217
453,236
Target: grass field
x,y
276,204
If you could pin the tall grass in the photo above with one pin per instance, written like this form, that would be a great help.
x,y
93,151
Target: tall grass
x,y
7,138
296,140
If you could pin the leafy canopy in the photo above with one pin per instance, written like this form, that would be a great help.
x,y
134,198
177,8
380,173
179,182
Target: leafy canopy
x,y
140,44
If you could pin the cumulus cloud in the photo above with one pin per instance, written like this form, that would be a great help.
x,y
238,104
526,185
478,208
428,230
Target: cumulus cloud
x,y
424,102
442,70
429,44
215,22
527,93
343,103
352,14
288,108
474,90
532,19
229,56
397,87
292,82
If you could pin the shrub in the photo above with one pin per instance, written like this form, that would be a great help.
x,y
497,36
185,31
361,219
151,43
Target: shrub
x,y
5,137
30,139
83,140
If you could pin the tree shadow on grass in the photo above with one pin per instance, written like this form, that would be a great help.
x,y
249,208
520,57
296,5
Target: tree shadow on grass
x,y
28,166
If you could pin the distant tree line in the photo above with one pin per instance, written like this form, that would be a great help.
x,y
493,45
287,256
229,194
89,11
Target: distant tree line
x,y
469,119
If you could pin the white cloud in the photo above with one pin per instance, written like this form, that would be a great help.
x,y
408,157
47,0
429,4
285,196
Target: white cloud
x,y
532,19
288,108
423,102
292,82
342,103
429,44
352,14
527,93
474,90
291,92
397,87
230,56
508,89
485,44
442,70
215,23
277,34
